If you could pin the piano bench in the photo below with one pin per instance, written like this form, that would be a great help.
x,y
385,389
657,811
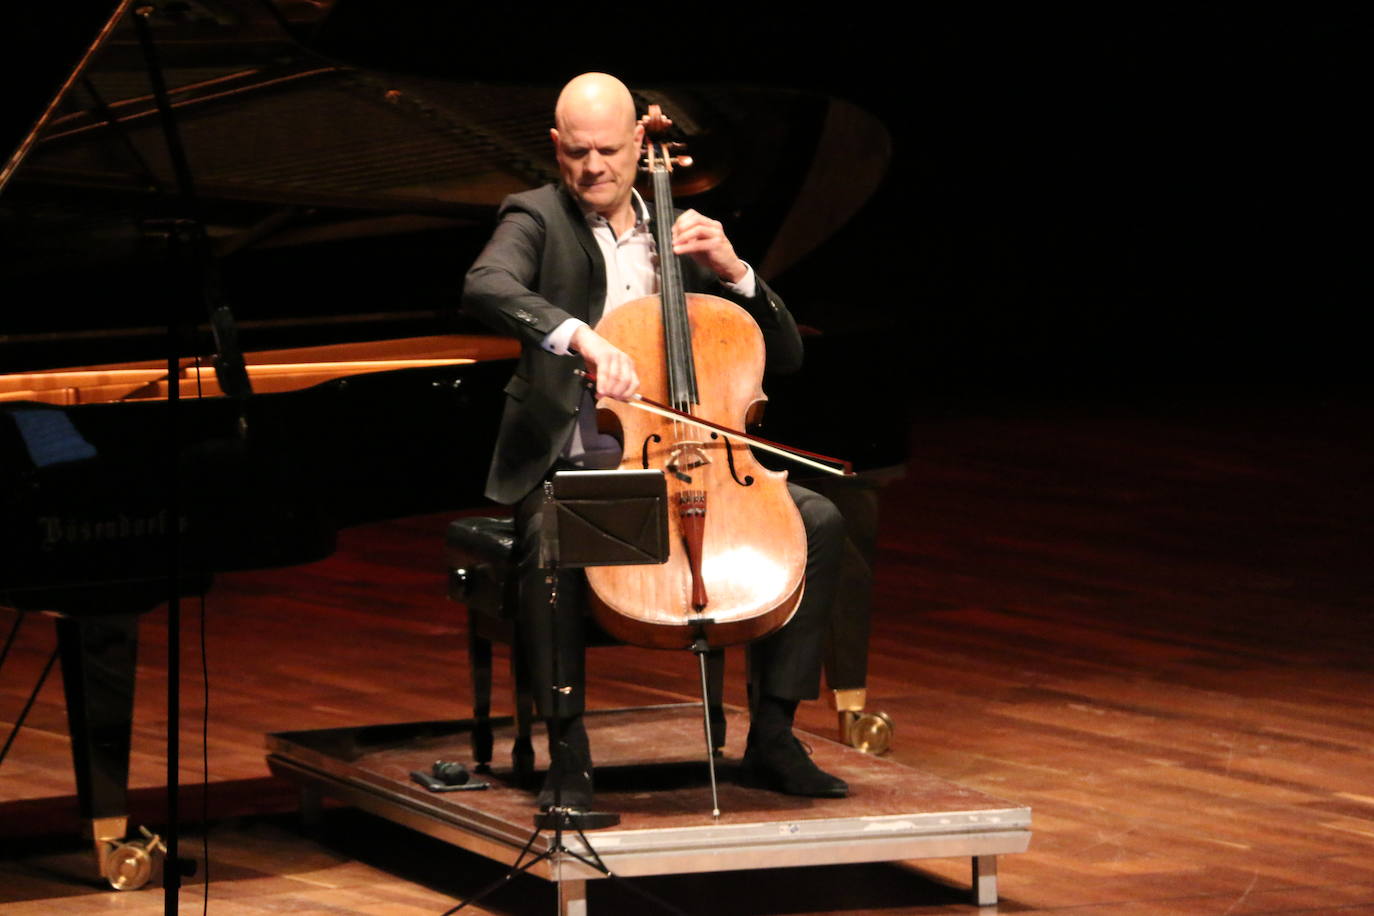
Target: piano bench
x,y
478,552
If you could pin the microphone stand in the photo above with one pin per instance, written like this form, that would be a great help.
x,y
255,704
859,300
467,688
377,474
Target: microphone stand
x,y
190,259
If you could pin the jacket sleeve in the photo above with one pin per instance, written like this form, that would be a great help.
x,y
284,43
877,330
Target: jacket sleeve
x,y
498,288
780,335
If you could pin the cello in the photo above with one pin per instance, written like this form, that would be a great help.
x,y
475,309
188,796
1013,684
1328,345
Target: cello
x,y
737,559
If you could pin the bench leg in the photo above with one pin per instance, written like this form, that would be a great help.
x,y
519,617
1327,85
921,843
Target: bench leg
x,y
522,752
479,664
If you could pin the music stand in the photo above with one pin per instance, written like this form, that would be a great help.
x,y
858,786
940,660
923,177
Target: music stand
x,y
590,518
614,518
593,518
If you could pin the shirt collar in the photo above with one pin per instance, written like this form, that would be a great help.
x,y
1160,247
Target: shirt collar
x,y
641,209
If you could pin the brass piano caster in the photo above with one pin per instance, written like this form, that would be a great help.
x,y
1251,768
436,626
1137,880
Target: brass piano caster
x,y
126,865
870,732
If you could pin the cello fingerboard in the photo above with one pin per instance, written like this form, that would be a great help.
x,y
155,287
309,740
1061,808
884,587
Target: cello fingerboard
x,y
677,333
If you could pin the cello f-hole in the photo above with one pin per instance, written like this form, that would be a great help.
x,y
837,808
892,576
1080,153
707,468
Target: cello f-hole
x,y
748,480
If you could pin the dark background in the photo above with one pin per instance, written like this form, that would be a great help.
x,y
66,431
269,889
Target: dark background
x,y
1122,198
1119,198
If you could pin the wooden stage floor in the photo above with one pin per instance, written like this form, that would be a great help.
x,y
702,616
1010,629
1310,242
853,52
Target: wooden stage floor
x,y
1148,621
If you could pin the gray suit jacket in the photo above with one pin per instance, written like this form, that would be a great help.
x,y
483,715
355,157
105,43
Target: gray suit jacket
x,y
541,267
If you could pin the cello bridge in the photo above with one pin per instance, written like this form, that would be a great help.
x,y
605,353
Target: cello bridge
x,y
687,456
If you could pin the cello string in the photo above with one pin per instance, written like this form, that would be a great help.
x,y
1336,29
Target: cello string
x,y
682,388
677,331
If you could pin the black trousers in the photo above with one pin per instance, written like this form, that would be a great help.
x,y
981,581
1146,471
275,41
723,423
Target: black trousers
x,y
785,664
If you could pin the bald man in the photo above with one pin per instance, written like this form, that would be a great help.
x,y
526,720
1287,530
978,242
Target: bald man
x,y
560,258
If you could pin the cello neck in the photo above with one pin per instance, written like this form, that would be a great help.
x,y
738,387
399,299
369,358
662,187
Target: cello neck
x,y
677,332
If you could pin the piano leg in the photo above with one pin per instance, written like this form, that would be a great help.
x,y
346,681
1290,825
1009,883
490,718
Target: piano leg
x,y
98,659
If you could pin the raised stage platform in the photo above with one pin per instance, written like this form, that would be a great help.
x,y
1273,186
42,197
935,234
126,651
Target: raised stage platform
x,y
650,770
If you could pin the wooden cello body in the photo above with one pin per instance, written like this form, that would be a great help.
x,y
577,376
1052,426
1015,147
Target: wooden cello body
x,y
738,547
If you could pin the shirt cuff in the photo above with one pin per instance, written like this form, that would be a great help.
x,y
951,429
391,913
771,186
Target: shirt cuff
x,y
557,340
746,286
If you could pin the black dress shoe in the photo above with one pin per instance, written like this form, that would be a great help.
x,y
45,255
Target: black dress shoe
x,y
782,764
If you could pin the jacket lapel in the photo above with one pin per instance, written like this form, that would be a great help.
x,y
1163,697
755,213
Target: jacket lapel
x,y
596,269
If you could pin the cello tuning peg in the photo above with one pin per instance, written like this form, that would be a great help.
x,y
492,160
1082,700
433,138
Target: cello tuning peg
x,y
684,161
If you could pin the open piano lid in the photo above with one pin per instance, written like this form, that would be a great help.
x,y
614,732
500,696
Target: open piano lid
x,y
343,202
48,48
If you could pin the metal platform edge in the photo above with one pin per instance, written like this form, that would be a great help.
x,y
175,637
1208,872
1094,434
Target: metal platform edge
x,y
981,835
484,836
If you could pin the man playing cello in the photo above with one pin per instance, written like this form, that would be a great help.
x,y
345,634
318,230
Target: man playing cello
x,y
561,257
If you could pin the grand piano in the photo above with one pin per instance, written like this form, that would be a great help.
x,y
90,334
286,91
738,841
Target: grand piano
x,y
318,255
